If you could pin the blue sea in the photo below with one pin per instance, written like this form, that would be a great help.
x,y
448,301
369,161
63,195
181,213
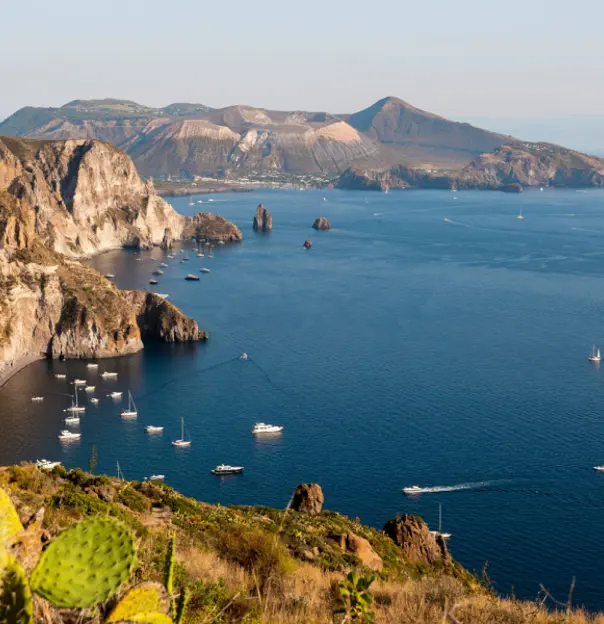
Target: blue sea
x,y
429,338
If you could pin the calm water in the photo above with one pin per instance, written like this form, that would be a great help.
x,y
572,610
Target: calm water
x,y
425,339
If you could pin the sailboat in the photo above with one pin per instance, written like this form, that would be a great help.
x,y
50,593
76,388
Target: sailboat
x,y
130,411
182,442
210,254
519,216
440,524
120,474
75,406
594,356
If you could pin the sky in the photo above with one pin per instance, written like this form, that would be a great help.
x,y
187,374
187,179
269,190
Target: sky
x,y
461,59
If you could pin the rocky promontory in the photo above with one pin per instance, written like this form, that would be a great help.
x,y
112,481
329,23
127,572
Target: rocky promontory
x,y
213,227
263,220
321,223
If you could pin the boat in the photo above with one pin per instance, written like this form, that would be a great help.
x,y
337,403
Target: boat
x,y
69,435
200,254
153,429
89,388
60,376
109,275
130,412
158,272
182,443
157,477
92,365
599,468
243,356
72,420
260,428
170,256
210,254
520,217
45,464
413,489
210,200
221,242
192,278
37,399
75,406
163,264
79,382
162,295
115,395
108,375
191,203
227,470
440,524
204,270
594,356
94,401
153,281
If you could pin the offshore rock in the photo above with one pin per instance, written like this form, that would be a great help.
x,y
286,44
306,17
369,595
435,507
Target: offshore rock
x,y
307,244
209,226
308,498
263,220
321,223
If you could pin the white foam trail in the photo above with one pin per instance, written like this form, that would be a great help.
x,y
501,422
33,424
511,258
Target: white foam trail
x,y
454,488
377,214
458,223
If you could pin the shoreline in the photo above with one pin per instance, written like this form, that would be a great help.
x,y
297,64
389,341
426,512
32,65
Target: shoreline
x,y
18,365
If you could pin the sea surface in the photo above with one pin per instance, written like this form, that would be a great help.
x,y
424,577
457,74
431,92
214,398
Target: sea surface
x,y
429,338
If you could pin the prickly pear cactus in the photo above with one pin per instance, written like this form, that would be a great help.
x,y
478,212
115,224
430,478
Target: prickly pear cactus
x,y
10,524
147,597
150,618
16,604
85,564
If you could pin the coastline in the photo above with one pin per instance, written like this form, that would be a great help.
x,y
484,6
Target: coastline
x,y
18,365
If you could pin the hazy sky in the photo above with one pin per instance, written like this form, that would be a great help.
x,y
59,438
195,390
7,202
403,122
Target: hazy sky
x,y
459,58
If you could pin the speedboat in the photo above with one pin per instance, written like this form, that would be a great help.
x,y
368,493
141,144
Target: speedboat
x,y
60,376
72,420
153,282
243,356
79,382
108,375
130,412
109,275
68,435
200,254
264,428
89,388
594,356
153,429
94,401
92,365
37,399
413,489
45,464
192,278
157,477
204,270
227,470
599,468
115,395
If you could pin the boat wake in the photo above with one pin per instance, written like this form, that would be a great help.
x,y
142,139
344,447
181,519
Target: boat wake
x,y
459,223
456,488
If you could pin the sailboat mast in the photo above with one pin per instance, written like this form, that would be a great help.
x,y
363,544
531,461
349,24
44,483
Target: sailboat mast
x,y
182,428
440,518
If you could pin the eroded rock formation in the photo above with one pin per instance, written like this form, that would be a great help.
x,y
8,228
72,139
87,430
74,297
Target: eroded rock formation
x,y
263,220
308,498
321,223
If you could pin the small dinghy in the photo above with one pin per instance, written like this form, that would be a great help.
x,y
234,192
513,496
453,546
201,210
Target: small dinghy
x,y
89,388
204,270
192,278
37,399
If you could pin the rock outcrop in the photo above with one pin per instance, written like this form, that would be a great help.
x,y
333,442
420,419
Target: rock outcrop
x,y
321,223
411,533
307,244
308,498
361,547
263,220
211,227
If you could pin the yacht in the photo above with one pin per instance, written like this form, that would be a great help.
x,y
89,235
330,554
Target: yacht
x,y
520,217
130,412
108,375
37,399
440,525
599,468
158,272
60,376
243,356
594,356
413,489
264,428
157,477
153,282
45,464
192,278
227,470
89,388
68,435
109,275
163,264
204,270
200,254
75,406
79,382
72,420
115,395
92,365
182,443
153,429
94,401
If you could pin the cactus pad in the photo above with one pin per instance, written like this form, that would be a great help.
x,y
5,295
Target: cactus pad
x,y
147,618
85,564
10,524
147,597
16,604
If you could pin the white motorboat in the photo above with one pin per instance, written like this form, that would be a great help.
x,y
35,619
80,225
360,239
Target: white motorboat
x,y
227,470
45,464
67,435
243,356
221,242
153,282
200,201
163,264
200,254
162,295
79,382
599,468
413,489
260,428
153,429
204,270
130,412
108,375
191,203
157,477
109,275
60,376
440,525
72,420
115,395
192,278
158,272
94,401
594,356
170,256
37,399
182,443
89,388
75,406
92,365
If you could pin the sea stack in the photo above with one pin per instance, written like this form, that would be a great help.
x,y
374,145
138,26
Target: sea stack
x,y
321,223
263,221
307,244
